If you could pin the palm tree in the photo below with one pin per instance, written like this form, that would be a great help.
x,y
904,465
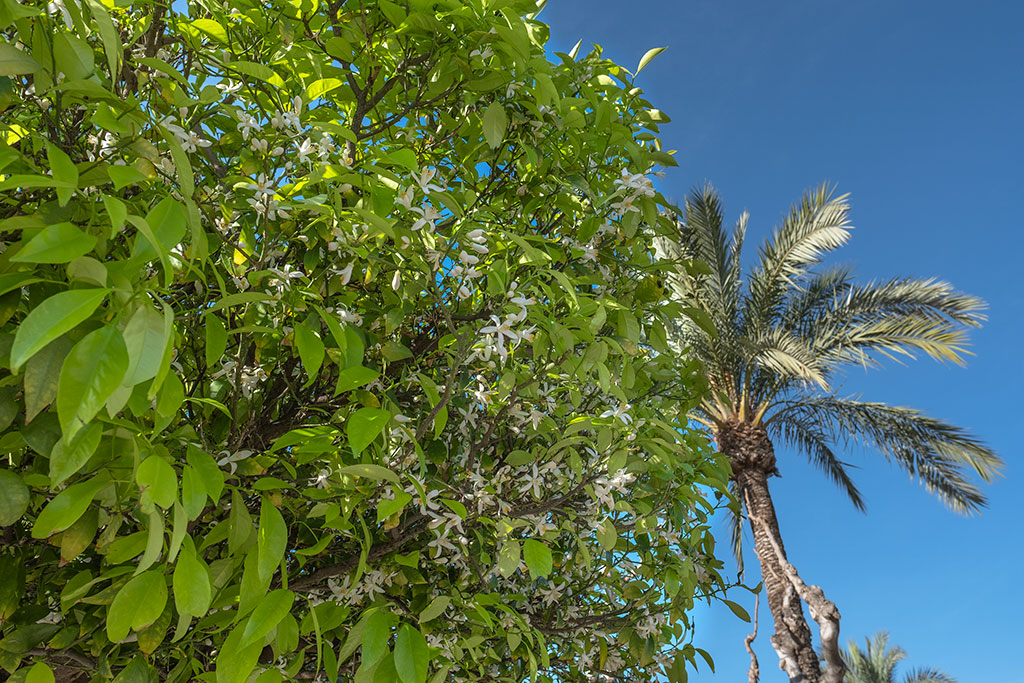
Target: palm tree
x,y
776,341
877,664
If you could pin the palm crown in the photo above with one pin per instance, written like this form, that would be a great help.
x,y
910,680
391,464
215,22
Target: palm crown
x,y
876,663
784,332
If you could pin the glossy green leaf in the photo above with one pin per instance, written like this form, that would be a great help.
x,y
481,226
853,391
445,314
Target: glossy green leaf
x,y
211,28
157,481
91,372
267,615
13,61
737,610
495,123
354,377
508,558
537,556
411,655
376,633
321,87
145,342
646,59
607,535
59,243
14,497
435,609
138,604
272,539
42,372
68,506
364,426
67,458
235,663
191,583
311,349
52,318
370,471
216,339
39,673
63,168
108,35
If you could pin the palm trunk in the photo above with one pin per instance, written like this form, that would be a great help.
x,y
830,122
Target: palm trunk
x,y
753,461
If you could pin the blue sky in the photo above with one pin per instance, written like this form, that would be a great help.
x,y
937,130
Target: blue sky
x,y
915,108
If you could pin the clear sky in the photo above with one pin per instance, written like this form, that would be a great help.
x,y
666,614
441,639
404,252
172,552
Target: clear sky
x,y
915,108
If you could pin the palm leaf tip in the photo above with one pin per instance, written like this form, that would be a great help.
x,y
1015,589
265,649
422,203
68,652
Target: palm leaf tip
x,y
938,454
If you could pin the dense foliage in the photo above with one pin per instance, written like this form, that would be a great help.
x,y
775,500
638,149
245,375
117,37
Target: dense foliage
x,y
330,347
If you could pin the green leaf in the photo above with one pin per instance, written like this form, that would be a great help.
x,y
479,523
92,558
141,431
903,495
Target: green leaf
x,y
68,458
411,655
208,471
211,28
355,377
268,614
123,176
91,373
39,673
108,34
14,497
52,318
508,558
235,663
260,71
137,605
64,170
495,123
607,536
68,506
435,609
13,61
216,340
386,507
311,349
137,671
145,342
154,541
191,581
157,481
272,540
58,243
376,633
646,59
370,471
537,556
364,426
321,87
737,610
41,375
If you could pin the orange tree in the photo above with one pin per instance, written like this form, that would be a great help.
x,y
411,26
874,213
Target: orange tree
x,y
324,351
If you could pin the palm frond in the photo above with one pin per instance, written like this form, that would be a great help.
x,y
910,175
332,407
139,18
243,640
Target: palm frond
x,y
938,454
893,338
787,356
815,226
736,527
928,675
812,441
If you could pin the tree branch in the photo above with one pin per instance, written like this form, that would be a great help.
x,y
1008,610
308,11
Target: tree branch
x,y
754,672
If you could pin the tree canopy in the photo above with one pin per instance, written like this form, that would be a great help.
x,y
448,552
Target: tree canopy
x,y
328,349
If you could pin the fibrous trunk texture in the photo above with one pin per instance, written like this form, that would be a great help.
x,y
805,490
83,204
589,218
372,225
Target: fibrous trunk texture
x,y
753,460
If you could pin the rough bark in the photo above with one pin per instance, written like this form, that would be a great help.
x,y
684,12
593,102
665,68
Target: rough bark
x,y
826,614
752,457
